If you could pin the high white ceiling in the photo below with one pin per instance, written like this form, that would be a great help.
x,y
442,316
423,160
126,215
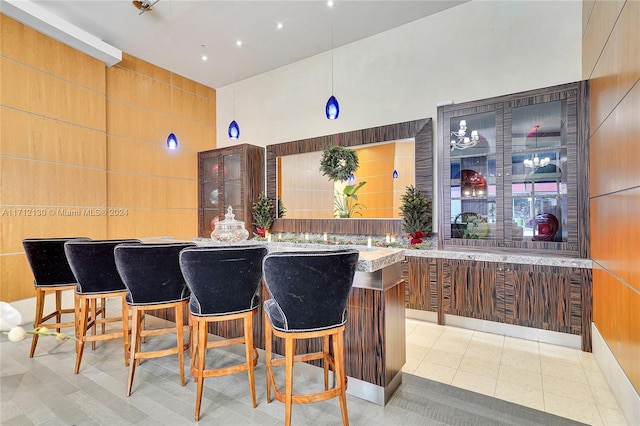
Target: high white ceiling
x,y
173,33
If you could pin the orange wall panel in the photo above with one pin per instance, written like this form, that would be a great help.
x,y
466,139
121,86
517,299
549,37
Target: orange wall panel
x,y
615,149
45,53
32,136
144,68
615,312
22,87
615,234
138,89
618,67
42,184
601,17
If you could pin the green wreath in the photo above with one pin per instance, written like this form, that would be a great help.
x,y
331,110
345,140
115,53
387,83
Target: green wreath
x,y
338,163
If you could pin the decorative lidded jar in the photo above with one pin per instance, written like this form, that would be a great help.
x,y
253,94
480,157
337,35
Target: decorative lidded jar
x,y
229,230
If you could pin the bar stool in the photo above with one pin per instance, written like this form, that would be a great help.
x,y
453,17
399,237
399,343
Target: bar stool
x,y
309,297
152,275
224,284
52,275
94,266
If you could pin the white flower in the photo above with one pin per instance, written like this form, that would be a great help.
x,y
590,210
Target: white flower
x,y
16,334
9,316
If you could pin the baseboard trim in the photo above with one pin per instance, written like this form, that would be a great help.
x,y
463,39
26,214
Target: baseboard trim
x,y
620,385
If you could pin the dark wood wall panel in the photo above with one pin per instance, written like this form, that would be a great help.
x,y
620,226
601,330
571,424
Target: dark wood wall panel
x,y
473,290
421,130
544,297
422,284
339,226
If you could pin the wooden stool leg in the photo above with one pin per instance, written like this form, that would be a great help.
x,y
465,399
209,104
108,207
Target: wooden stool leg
x,y
201,351
248,345
288,398
134,347
338,361
325,360
180,339
94,310
36,323
267,348
82,331
125,329
58,308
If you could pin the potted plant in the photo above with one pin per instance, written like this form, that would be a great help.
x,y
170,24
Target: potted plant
x,y
416,213
345,204
263,214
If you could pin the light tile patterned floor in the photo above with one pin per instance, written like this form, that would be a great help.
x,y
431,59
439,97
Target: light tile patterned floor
x,y
559,380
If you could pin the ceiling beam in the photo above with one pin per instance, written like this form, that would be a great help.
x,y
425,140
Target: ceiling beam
x,y
57,28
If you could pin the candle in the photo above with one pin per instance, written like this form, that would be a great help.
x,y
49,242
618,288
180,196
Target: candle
x,y
388,239
393,239
280,236
369,242
325,237
306,236
269,237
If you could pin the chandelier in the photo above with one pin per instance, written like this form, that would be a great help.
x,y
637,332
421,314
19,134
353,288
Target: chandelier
x,y
462,141
536,162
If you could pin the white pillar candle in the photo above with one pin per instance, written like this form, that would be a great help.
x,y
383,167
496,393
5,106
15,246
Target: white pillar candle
x,y
388,239
325,236
369,242
306,236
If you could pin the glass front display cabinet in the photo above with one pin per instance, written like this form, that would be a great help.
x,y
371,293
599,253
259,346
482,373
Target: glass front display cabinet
x,y
228,177
514,172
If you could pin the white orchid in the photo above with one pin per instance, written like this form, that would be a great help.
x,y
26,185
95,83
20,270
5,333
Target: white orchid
x,y
10,320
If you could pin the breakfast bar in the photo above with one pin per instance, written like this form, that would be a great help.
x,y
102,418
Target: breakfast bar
x,y
375,330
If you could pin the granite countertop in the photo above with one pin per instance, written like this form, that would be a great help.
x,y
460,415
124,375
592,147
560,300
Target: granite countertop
x,y
371,259
503,257
376,258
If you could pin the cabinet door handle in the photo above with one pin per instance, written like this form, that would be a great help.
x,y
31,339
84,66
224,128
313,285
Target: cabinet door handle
x,y
499,174
507,174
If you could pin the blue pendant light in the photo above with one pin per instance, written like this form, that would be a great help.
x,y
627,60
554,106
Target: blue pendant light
x,y
395,174
234,130
333,108
172,141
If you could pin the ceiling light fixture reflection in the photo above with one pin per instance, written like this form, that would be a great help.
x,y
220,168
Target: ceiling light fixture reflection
x,y
462,141
536,162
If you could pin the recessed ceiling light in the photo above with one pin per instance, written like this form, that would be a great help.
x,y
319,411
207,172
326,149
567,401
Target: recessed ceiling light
x,y
239,43
279,25
330,3
204,57
204,53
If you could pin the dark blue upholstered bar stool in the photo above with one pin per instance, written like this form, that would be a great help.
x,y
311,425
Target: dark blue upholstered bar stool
x,y
225,286
94,266
152,275
51,275
309,293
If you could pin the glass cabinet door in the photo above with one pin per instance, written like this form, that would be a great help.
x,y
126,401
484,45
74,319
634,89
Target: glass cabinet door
x,y
210,194
233,184
539,201
474,168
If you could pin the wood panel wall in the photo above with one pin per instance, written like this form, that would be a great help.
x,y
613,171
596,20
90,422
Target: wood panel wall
x,y
82,148
611,60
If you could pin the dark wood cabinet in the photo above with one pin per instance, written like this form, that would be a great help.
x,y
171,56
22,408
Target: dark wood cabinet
x,y
515,172
231,176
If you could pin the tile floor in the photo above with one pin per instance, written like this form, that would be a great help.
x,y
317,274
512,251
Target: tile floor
x,y
555,379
